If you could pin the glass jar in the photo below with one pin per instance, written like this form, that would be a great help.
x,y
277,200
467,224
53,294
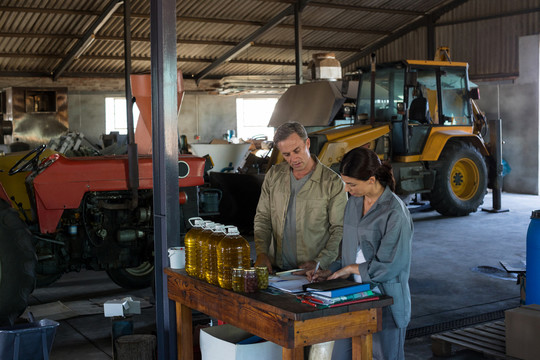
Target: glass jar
x,y
238,279
250,281
262,277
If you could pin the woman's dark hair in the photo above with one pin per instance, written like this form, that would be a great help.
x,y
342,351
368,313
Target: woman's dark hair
x,y
361,163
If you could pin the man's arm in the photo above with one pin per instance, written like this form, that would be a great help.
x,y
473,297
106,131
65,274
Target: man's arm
x,y
336,210
263,225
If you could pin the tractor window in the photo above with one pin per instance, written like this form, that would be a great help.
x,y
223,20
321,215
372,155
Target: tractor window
x,y
455,97
389,83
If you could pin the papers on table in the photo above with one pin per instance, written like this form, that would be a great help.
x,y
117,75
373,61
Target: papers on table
x,y
288,282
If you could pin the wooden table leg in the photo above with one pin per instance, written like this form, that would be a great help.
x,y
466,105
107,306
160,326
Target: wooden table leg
x,y
184,332
293,354
362,347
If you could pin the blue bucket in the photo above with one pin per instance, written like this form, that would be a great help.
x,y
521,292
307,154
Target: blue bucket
x,y
31,341
532,289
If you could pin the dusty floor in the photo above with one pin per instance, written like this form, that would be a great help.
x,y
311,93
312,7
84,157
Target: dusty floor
x,y
456,279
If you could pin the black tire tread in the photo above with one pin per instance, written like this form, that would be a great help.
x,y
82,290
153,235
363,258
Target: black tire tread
x,y
442,198
18,265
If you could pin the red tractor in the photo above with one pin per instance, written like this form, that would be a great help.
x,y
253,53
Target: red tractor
x,y
60,214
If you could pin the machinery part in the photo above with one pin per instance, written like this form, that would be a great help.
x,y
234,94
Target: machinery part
x,y
17,265
461,180
138,277
26,162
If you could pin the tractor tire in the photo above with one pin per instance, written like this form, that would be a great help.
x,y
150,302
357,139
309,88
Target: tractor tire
x,y
139,277
17,265
461,180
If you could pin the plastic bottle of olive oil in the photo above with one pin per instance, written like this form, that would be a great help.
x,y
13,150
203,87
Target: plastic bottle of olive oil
x,y
210,254
202,240
232,252
190,241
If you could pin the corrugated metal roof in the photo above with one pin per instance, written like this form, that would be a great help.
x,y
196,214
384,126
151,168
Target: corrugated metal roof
x,y
36,35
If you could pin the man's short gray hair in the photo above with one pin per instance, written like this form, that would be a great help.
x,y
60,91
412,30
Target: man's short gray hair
x,y
287,129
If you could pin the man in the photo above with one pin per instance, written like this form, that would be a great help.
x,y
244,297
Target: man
x,y
300,208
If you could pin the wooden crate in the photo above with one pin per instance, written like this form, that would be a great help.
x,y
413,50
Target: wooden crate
x,y
488,339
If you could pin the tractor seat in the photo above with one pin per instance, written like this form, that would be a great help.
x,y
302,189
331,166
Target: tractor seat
x,y
419,110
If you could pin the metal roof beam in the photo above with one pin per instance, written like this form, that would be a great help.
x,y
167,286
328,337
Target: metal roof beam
x,y
242,45
404,30
354,7
184,41
86,40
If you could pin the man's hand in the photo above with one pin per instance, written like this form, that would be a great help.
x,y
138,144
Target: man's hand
x,y
264,260
308,265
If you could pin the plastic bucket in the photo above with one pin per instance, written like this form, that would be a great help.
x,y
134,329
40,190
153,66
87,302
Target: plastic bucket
x,y
31,341
532,289
177,257
210,199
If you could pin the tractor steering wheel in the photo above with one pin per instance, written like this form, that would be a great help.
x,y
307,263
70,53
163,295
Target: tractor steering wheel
x,y
25,163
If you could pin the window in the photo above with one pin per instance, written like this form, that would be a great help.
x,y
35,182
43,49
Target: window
x,y
252,117
116,117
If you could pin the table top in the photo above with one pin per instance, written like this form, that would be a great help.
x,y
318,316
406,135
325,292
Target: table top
x,y
209,299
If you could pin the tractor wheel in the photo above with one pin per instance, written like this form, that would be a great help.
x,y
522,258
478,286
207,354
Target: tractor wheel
x,y
17,265
139,277
461,180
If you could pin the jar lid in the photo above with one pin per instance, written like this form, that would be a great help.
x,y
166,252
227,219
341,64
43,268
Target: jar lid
x,y
535,214
250,270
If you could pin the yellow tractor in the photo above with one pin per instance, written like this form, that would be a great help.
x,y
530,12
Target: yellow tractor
x,y
420,115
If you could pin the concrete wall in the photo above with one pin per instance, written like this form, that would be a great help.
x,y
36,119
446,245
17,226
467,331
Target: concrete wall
x,y
206,116
86,113
518,104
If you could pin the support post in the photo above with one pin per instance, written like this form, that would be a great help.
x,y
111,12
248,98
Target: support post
x,y
165,163
495,135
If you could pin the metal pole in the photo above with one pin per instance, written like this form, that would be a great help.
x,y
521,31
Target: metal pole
x,y
165,162
495,132
298,42
373,78
133,158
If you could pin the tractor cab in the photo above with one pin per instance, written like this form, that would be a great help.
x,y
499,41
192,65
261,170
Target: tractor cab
x,y
418,98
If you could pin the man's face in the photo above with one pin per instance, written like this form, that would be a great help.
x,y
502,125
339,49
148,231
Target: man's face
x,y
295,152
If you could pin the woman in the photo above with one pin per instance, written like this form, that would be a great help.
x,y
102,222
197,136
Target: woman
x,y
376,247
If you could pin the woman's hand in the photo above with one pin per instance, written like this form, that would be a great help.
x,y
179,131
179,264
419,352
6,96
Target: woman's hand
x,y
345,272
320,275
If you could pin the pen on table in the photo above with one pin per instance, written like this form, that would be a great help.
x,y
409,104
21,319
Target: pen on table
x,y
316,269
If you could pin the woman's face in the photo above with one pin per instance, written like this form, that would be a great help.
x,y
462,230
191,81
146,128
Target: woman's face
x,y
357,187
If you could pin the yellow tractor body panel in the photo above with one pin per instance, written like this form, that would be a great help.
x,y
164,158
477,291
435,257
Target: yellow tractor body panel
x,y
435,63
438,138
337,146
15,185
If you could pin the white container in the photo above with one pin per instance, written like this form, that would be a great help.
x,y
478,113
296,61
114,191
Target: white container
x,y
177,257
221,343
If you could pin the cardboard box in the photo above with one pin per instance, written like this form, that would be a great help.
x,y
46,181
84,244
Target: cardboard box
x,y
522,329
221,343
121,307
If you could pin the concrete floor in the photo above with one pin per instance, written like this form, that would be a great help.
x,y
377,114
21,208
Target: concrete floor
x,y
445,287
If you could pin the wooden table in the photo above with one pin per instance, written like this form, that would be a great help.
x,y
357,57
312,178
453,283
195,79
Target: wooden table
x,y
277,318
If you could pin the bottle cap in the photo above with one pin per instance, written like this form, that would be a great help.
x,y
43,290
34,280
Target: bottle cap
x,y
535,214
219,228
196,221
232,230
